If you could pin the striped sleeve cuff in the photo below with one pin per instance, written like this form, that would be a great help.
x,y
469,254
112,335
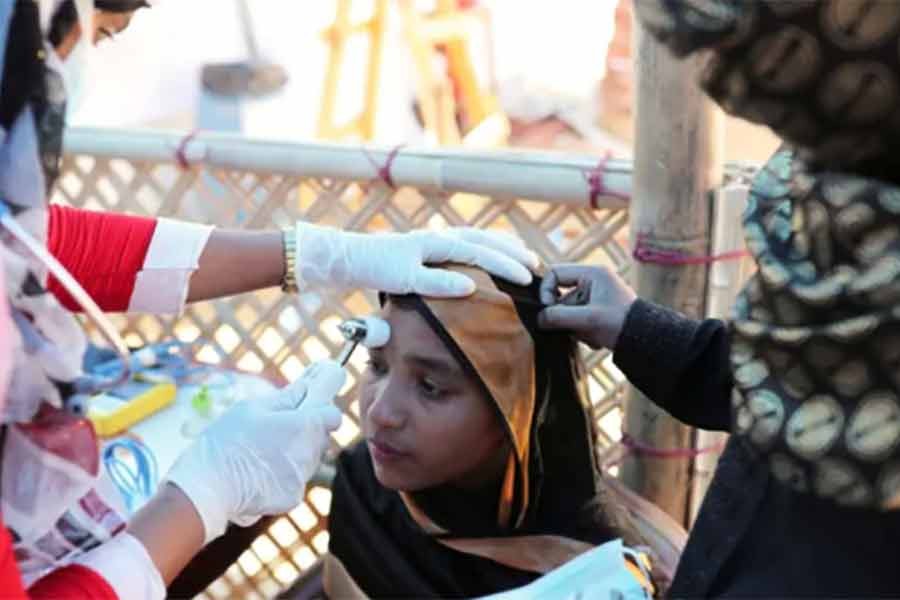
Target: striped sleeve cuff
x,y
161,286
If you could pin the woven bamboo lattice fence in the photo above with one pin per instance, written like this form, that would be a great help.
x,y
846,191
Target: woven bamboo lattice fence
x,y
234,182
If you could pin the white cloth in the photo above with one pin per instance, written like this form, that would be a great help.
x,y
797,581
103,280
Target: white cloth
x,y
257,458
161,285
600,574
127,567
560,76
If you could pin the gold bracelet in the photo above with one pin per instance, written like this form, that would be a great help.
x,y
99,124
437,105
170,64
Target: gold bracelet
x,y
289,280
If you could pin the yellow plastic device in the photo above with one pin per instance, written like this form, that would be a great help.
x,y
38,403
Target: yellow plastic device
x,y
115,412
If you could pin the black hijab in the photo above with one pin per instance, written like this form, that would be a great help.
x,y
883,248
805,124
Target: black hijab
x,y
388,554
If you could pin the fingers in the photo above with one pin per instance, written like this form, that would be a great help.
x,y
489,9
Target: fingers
x,y
446,248
324,384
584,278
318,386
582,293
569,318
440,283
330,416
549,291
569,275
578,296
501,241
287,398
307,428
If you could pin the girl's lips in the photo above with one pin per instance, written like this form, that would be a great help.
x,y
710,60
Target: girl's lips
x,y
383,452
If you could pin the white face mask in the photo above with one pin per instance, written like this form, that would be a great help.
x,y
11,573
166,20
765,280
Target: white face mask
x,y
74,70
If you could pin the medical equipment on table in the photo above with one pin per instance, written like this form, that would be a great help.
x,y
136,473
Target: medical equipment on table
x,y
115,411
132,467
215,393
218,390
173,358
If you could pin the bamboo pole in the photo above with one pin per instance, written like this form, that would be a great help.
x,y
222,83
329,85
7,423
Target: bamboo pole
x,y
336,37
377,31
725,281
556,178
426,87
677,164
551,177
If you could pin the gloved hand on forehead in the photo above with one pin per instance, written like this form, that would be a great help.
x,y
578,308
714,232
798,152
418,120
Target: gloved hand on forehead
x,y
396,263
257,458
824,75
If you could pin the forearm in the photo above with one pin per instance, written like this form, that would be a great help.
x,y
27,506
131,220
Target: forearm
x,y
680,364
170,529
234,262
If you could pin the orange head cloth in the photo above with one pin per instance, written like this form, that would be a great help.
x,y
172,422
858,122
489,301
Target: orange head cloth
x,y
487,330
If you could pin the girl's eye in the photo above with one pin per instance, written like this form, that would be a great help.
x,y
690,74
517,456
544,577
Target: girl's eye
x,y
430,390
106,34
376,367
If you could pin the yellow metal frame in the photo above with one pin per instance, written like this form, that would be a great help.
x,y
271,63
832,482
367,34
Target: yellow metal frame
x,y
363,126
448,27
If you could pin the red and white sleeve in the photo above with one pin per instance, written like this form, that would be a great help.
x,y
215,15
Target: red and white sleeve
x,y
126,263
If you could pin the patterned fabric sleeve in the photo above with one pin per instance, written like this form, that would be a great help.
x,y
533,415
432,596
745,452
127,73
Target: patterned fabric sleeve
x,y
823,74
816,336
816,333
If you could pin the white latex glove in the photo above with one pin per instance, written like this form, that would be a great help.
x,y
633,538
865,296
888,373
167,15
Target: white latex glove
x,y
257,458
396,262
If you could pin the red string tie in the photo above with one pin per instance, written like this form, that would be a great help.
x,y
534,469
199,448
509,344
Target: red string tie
x,y
181,151
383,172
596,184
643,253
667,453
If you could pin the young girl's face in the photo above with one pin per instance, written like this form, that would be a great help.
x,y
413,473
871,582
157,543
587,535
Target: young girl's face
x,y
106,26
426,421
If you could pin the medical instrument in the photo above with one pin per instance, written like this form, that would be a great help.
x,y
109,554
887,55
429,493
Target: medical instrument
x,y
132,467
371,332
147,357
324,379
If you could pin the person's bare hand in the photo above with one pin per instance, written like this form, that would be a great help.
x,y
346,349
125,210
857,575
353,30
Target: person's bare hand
x,y
594,308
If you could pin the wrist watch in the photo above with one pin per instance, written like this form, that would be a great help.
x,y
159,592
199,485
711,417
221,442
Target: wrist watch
x,y
289,279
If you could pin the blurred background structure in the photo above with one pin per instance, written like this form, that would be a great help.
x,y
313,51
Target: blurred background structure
x,y
561,72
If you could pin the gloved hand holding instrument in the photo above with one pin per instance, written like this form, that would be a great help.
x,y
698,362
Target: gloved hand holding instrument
x,y
258,457
255,460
